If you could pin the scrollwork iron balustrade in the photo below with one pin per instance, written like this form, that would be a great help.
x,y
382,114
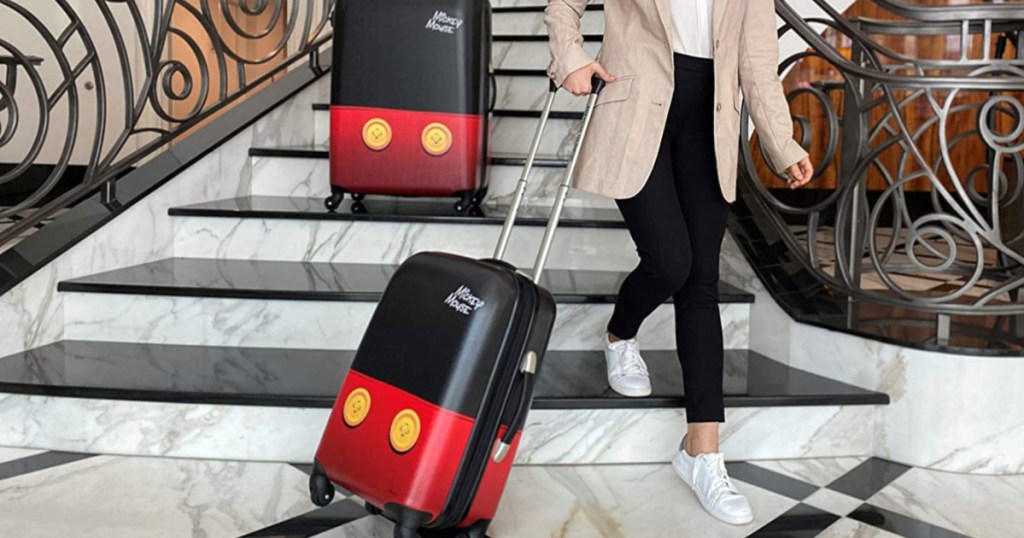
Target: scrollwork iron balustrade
x,y
115,81
877,237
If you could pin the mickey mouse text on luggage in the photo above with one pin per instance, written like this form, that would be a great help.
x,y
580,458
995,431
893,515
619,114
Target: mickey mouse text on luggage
x,y
463,301
444,23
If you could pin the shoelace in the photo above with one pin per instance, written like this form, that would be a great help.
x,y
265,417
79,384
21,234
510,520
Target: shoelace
x,y
721,484
630,360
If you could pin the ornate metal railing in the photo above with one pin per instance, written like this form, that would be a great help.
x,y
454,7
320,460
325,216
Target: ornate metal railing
x,y
108,83
873,245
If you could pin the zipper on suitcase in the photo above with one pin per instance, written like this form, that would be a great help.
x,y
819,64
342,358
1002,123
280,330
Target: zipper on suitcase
x,y
478,455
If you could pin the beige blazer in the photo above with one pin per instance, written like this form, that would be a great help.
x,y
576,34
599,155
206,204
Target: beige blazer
x,y
629,118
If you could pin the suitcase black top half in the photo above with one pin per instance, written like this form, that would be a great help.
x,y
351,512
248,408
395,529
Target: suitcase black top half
x,y
456,315
428,55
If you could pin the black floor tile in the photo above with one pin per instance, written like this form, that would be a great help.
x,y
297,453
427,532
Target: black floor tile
x,y
315,522
900,524
868,478
312,378
39,462
801,521
771,481
433,210
318,281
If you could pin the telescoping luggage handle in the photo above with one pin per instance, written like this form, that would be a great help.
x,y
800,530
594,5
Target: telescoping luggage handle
x,y
597,84
528,368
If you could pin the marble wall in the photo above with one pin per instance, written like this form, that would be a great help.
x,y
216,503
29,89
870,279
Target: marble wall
x,y
959,413
950,412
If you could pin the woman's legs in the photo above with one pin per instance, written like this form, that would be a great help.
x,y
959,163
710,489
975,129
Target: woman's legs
x,y
677,222
656,224
698,322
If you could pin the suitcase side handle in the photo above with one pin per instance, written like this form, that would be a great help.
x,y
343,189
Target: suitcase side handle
x,y
529,371
597,84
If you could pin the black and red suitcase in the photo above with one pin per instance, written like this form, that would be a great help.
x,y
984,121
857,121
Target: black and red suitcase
x,y
428,419
411,92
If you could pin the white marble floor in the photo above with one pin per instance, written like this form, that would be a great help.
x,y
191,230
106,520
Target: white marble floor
x,y
111,496
44,494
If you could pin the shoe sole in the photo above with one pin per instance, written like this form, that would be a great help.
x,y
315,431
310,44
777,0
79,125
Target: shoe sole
x,y
720,517
638,393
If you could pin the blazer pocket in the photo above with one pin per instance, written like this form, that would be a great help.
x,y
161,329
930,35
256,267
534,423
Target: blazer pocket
x,y
617,90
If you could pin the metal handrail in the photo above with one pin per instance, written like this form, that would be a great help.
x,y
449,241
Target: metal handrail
x,y
938,28
879,87
993,11
802,28
217,77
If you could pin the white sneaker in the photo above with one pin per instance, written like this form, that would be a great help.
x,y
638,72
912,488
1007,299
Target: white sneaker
x,y
707,477
627,371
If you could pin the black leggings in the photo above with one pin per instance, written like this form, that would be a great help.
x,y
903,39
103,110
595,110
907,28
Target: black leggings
x,y
677,222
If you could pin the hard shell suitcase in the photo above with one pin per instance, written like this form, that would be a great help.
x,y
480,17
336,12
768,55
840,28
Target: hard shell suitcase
x,y
428,419
410,99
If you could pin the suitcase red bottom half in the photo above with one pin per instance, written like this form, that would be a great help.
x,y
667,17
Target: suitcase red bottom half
x,y
403,450
406,153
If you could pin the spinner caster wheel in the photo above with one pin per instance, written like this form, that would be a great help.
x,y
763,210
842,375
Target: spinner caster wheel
x,y
321,491
464,202
333,201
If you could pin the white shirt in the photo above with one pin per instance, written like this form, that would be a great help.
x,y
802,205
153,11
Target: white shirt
x,y
692,23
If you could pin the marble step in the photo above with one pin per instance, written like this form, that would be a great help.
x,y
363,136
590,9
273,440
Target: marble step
x,y
271,404
539,38
530,21
311,377
528,90
533,6
532,53
304,172
225,302
388,230
322,153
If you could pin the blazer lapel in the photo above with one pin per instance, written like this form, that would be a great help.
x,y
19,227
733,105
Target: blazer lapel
x,y
665,14
717,15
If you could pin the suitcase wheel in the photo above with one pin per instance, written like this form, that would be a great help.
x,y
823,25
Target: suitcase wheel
x,y
358,197
464,202
478,196
333,201
321,491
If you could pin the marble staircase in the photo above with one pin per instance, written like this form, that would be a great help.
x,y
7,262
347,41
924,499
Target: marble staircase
x,y
234,347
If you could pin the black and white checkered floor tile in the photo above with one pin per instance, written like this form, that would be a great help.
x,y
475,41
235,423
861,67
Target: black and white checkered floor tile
x,y
45,494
